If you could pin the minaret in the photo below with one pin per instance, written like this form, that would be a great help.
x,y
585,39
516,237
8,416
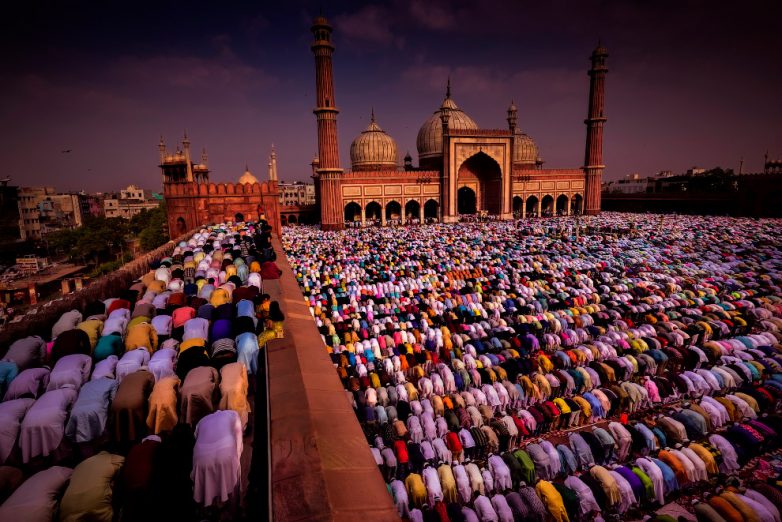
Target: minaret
x,y
593,157
186,145
273,165
512,118
204,157
161,146
329,173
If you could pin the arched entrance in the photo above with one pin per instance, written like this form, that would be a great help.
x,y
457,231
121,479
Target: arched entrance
x,y
352,212
431,209
532,206
481,171
238,217
576,203
292,219
466,201
393,210
518,206
412,210
562,205
547,205
181,227
283,220
373,211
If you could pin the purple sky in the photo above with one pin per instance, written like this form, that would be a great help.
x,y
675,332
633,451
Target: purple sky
x,y
690,83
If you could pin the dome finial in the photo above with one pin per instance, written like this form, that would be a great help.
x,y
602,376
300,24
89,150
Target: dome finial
x,y
372,115
448,88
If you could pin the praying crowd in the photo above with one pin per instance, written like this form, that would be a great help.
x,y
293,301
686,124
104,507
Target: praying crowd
x,y
554,370
137,407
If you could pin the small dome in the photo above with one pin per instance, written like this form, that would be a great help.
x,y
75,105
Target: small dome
x,y
247,177
373,149
430,137
524,149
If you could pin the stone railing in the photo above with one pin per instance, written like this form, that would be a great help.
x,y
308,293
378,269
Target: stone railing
x,y
101,288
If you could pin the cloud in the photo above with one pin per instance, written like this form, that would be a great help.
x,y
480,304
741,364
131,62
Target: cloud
x,y
371,24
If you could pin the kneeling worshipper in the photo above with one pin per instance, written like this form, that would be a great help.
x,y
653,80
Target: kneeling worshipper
x,y
137,480
216,458
37,498
200,394
30,383
44,425
28,352
71,371
131,362
129,407
11,415
233,390
163,409
89,493
91,411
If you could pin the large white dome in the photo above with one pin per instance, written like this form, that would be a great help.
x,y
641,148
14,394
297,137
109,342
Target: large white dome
x,y
430,137
373,149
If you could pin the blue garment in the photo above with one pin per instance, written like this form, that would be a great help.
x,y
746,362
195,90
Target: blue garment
x,y
661,438
108,345
594,402
247,351
8,372
568,460
581,450
669,477
648,435
245,308
90,411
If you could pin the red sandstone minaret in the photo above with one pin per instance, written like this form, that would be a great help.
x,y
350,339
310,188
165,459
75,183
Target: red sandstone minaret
x,y
328,173
593,158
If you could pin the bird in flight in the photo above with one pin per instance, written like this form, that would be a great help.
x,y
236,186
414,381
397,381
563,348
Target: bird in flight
x,y
67,151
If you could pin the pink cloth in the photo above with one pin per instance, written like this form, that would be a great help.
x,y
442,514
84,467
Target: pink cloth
x,y
29,383
216,465
44,425
70,371
11,414
651,387
36,499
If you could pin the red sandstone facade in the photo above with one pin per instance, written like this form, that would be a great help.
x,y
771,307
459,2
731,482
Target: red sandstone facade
x,y
193,201
462,169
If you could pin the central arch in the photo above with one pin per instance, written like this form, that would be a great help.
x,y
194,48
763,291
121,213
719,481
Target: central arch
x,y
484,172
466,202
352,212
532,206
373,211
412,210
393,210
431,209
547,206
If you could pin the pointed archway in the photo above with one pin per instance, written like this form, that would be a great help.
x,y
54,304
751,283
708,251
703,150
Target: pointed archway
x,y
483,173
547,206
532,206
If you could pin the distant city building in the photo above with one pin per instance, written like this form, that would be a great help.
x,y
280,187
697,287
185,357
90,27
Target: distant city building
x,y
42,211
130,201
297,194
9,211
630,184
772,166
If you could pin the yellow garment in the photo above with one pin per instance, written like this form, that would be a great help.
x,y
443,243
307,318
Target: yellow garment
x,y
163,415
148,278
608,483
219,297
141,336
586,408
89,493
233,390
552,500
706,456
157,286
185,345
92,328
138,320
275,332
230,270
448,483
562,405
746,511
749,400
416,490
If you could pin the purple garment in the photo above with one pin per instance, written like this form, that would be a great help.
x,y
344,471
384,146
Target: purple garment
x,y
27,352
29,383
196,328
633,479
44,425
222,329
70,371
218,448
36,499
11,415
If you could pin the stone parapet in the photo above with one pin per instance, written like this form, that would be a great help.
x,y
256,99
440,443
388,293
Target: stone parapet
x,y
322,468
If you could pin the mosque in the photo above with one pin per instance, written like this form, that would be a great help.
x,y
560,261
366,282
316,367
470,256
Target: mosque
x,y
462,169
192,200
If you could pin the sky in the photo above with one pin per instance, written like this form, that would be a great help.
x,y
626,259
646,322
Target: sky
x,y
88,88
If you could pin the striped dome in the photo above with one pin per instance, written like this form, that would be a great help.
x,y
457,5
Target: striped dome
x,y
524,149
373,149
430,137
